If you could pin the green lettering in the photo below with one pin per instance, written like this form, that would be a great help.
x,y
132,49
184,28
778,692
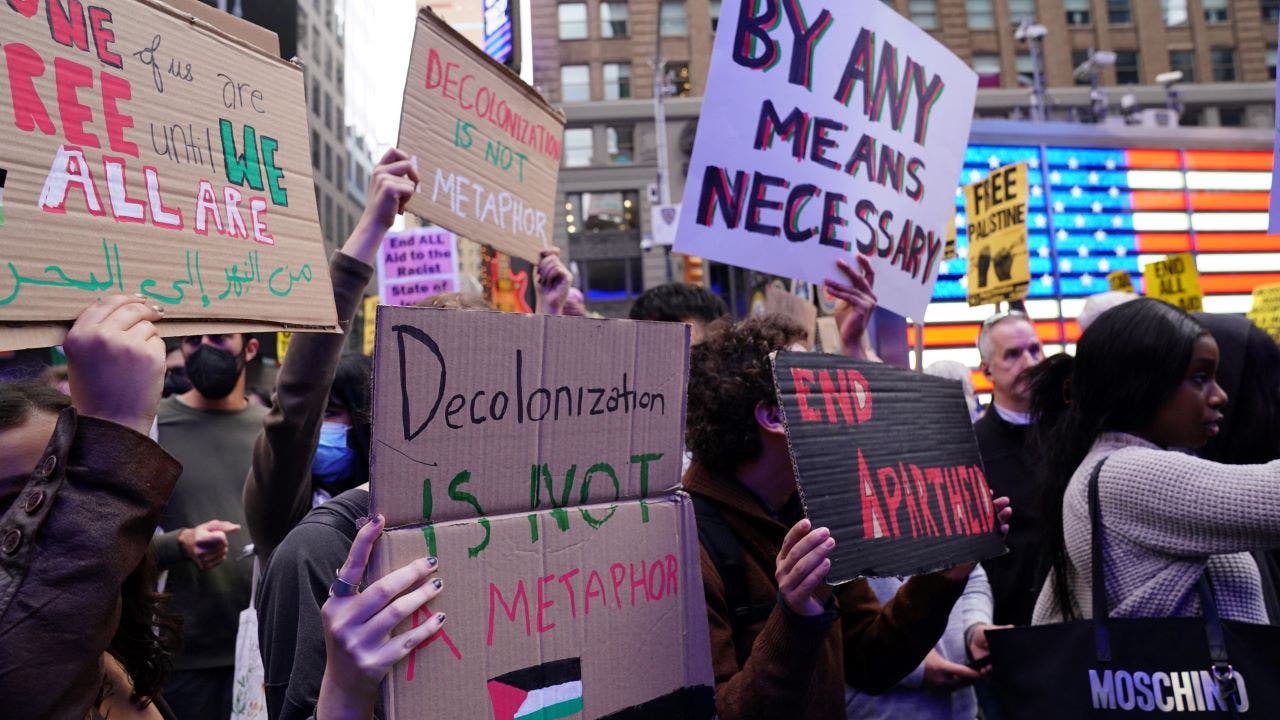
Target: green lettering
x,y
279,195
245,167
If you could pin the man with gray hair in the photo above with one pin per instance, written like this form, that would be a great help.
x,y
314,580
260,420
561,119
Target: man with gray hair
x,y
1009,347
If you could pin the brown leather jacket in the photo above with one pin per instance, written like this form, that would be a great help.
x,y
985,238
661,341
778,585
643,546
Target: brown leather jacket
x,y
70,534
796,666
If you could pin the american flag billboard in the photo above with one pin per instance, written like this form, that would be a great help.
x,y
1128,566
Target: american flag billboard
x,y
1096,210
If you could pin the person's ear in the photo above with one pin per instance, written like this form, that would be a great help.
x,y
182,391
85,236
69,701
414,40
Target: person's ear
x,y
769,418
250,349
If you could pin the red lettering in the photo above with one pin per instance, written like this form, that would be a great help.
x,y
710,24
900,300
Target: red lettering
x,y
618,575
909,500
889,479
70,77
115,89
449,80
462,91
657,584
420,616
983,493
103,36
66,24
597,592
873,524
25,65
860,390
434,66
521,598
26,8
544,603
567,580
934,476
638,583
828,388
922,495
956,501
803,379
672,565
842,396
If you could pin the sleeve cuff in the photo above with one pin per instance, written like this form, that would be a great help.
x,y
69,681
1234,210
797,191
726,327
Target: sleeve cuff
x,y
167,548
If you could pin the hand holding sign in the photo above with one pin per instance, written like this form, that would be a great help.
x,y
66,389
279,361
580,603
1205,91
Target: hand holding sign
x,y
115,362
359,648
554,281
855,303
803,564
390,187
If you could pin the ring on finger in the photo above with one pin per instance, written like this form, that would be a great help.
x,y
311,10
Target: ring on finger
x,y
342,588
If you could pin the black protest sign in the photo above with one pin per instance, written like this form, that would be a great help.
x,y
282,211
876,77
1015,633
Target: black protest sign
x,y
887,460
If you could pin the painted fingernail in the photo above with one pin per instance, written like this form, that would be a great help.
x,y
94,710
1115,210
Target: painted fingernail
x,y
440,618
432,561
438,583
380,519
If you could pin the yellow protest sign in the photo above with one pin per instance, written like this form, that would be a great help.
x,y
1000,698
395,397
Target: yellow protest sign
x,y
282,344
1265,312
1176,281
999,266
949,249
370,318
1120,280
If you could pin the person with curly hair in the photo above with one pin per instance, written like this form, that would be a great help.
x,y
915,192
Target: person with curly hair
x,y
789,647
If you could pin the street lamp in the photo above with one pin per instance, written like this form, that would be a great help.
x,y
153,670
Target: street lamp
x,y
1033,34
1091,70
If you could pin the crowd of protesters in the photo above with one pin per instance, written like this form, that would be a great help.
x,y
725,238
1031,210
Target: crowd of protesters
x,y
107,488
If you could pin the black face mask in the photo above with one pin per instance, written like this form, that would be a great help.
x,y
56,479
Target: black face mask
x,y
176,382
213,371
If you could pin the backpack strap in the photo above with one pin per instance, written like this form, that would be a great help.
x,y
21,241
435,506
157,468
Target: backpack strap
x,y
725,551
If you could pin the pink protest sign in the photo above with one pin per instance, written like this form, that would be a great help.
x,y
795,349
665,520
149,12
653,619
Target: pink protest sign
x,y
415,264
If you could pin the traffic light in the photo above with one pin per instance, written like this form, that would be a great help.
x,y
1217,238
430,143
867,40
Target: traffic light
x,y
694,270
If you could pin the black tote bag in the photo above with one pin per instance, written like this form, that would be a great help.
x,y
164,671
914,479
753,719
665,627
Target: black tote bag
x,y
1137,668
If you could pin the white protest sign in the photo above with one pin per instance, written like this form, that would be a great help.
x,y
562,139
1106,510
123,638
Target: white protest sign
x,y
825,144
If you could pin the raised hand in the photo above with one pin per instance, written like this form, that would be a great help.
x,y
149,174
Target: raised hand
x,y
856,301
115,362
554,282
392,184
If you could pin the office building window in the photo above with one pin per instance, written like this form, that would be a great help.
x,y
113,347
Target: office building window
x,y
982,14
315,97
1223,63
573,21
612,279
617,81
678,80
1025,68
1078,58
328,162
315,149
715,14
987,65
1077,12
620,141
1215,11
1271,61
575,83
328,111
672,19
1270,10
1231,116
924,13
577,147
1175,12
1119,12
1183,61
614,20
1020,10
601,211
1127,67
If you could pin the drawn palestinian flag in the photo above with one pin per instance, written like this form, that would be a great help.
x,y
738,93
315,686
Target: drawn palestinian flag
x,y
542,692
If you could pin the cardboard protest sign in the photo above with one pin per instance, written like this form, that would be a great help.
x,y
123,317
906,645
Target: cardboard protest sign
x,y
949,249
996,209
780,301
370,323
1176,281
1265,312
148,152
546,620
824,144
527,411
416,263
1120,280
887,459
488,146
537,457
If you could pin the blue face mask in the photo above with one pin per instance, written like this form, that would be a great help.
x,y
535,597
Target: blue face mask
x,y
333,458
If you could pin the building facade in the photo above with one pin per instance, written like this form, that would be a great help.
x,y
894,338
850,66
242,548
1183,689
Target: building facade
x,y
595,59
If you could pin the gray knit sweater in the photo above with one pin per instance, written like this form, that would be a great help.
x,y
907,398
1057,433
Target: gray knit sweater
x,y
1165,517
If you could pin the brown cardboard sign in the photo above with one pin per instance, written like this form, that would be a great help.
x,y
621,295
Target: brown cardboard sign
x,y
488,145
483,413
887,459
547,620
780,301
150,153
